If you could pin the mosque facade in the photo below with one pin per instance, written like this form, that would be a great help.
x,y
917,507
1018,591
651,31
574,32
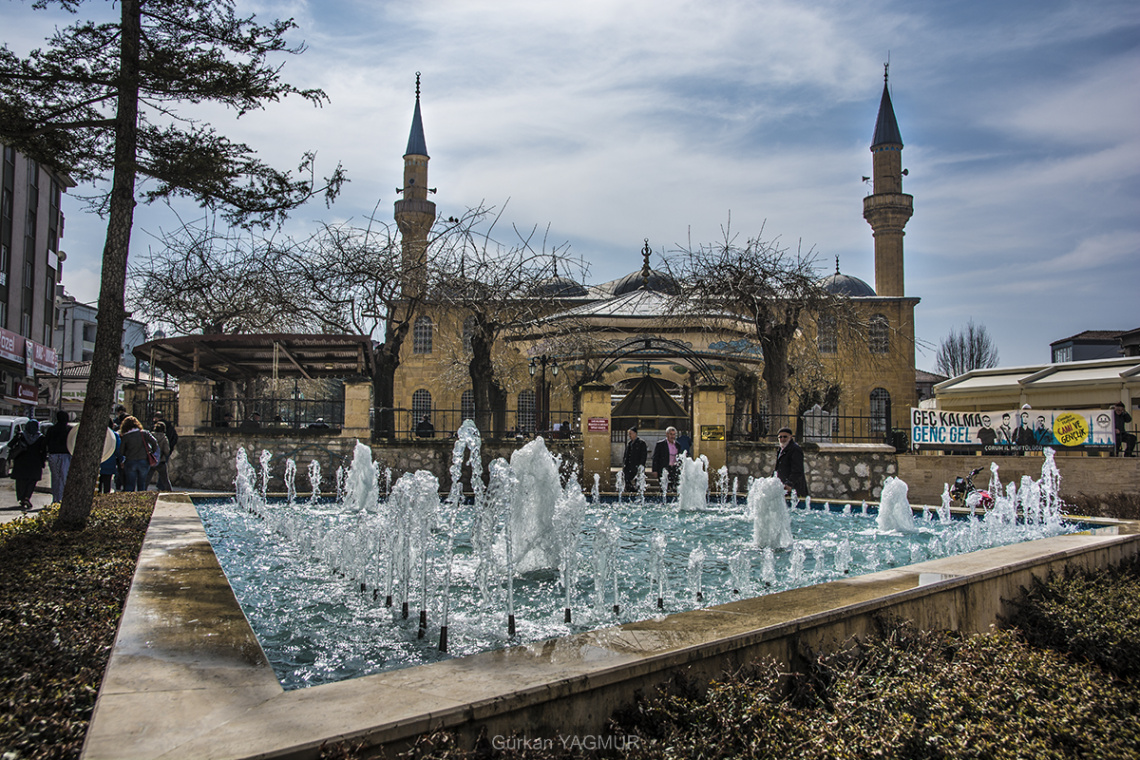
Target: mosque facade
x,y
616,333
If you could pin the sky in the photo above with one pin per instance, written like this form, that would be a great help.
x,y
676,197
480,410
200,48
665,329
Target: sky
x,y
601,124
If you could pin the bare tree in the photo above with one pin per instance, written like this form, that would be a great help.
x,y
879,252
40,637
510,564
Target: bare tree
x,y
199,279
496,286
768,288
960,352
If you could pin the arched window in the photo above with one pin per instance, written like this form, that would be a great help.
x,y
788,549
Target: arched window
x,y
421,405
422,335
468,331
879,334
828,338
467,405
526,411
880,410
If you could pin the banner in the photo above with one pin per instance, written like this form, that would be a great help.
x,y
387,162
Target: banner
x,y
1013,430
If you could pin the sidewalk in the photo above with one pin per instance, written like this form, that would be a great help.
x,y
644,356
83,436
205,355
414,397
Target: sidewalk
x,y
8,508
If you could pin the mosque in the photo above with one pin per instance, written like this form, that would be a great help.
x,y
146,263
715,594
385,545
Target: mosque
x,y
617,335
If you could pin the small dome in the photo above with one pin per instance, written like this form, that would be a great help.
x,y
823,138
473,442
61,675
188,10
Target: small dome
x,y
846,285
558,287
658,282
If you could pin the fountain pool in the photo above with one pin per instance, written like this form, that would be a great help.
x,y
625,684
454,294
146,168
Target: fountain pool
x,y
530,553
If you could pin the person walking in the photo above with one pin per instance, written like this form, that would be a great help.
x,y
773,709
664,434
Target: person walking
x,y
634,458
137,444
164,457
790,464
27,451
59,456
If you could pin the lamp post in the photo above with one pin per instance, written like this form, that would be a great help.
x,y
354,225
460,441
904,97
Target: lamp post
x,y
542,397
63,304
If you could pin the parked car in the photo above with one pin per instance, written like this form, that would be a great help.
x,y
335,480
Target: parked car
x,y
8,427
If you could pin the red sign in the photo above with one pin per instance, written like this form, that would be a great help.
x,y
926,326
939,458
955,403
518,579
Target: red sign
x,y
42,358
27,393
598,424
11,346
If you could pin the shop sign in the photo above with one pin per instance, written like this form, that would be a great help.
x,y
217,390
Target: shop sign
x,y
27,393
42,358
11,346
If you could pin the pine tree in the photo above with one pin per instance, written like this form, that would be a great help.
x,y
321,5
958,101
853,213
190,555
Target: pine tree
x,y
102,101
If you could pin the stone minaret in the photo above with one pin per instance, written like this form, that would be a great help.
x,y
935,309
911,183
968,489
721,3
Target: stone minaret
x,y
887,209
415,214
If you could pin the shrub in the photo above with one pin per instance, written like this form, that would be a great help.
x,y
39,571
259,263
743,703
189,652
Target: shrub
x,y
63,594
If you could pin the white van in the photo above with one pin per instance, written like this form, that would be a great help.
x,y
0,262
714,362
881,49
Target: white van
x,y
8,428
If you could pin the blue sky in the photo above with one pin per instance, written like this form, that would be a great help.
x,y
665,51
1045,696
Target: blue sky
x,y
612,122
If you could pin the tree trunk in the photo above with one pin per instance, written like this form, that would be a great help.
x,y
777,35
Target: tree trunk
x,y
80,488
744,387
483,386
775,376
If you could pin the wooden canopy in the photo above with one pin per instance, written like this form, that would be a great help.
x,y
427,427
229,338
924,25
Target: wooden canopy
x,y
242,357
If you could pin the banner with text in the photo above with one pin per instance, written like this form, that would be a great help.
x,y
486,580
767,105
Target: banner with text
x,y
1014,430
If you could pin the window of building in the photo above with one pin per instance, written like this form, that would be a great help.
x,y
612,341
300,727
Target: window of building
x,y
1063,353
422,336
421,405
880,410
879,334
828,338
468,331
467,405
526,411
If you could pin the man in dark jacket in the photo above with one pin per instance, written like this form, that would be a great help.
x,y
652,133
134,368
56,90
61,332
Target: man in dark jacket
x,y
665,457
790,464
1121,418
635,453
27,451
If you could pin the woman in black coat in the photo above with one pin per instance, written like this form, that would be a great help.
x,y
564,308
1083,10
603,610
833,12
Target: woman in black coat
x,y
27,452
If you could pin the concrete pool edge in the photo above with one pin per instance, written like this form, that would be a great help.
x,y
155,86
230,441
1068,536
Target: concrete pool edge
x,y
187,677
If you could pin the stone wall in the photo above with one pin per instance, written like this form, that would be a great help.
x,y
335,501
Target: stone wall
x,y
208,461
850,472
927,475
835,471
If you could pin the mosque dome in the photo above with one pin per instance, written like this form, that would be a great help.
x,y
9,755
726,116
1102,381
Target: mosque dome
x,y
558,287
845,285
658,282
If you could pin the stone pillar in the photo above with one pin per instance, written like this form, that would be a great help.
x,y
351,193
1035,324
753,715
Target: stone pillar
x,y
357,410
134,399
595,427
710,416
193,406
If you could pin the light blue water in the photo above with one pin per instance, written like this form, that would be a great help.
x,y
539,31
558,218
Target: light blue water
x,y
316,626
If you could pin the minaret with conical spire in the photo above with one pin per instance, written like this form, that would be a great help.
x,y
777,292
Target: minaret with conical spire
x,y
888,209
415,214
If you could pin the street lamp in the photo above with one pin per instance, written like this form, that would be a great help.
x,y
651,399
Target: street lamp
x,y
543,394
63,305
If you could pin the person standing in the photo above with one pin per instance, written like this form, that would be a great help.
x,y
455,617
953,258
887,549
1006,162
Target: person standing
x,y
111,465
424,428
137,443
163,458
1121,418
59,456
634,458
790,464
685,444
27,451
665,457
